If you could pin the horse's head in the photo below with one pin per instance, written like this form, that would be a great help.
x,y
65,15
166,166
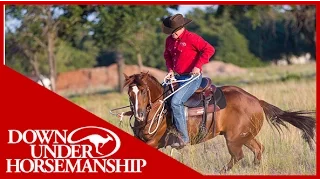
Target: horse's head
x,y
139,94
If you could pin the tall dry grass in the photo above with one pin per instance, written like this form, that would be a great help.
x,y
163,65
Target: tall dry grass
x,y
285,154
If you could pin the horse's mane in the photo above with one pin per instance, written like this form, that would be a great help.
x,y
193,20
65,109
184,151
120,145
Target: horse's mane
x,y
156,82
137,78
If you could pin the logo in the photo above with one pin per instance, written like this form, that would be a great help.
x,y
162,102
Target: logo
x,y
183,43
97,139
86,149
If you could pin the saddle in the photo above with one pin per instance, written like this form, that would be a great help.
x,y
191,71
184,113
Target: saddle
x,y
208,98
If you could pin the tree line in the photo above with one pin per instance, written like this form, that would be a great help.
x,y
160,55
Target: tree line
x,y
52,39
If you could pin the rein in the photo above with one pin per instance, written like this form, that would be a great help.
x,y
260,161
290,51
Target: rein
x,y
172,80
167,81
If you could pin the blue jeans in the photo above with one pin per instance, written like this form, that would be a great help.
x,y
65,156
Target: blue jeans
x,y
177,104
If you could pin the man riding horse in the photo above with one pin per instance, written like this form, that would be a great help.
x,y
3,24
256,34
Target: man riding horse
x,y
238,116
185,53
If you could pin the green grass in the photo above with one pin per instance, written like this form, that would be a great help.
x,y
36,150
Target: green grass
x,y
269,74
285,154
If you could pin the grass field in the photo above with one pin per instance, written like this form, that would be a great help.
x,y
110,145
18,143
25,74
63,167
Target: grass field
x,y
285,154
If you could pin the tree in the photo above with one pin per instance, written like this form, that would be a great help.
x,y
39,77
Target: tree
x,y
274,31
39,25
126,29
231,46
43,28
15,52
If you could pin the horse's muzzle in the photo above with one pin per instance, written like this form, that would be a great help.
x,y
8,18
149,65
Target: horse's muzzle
x,y
140,116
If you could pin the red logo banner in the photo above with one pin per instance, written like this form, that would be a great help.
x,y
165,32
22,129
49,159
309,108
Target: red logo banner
x,y
44,135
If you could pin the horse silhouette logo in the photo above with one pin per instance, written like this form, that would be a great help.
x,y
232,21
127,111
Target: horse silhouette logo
x,y
97,140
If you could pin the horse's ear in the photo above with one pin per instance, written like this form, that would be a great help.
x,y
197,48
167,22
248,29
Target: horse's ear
x,y
127,82
144,74
125,76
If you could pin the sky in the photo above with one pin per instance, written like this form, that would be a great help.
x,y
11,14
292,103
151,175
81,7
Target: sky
x,y
184,9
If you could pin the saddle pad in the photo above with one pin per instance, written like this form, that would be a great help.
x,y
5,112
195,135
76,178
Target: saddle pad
x,y
198,111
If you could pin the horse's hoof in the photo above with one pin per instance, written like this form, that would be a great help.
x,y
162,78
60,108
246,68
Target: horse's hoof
x,y
178,146
223,171
257,163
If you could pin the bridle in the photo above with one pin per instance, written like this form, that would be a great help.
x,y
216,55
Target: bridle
x,y
138,129
149,105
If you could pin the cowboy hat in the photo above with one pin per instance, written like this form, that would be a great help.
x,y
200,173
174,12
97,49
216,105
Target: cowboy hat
x,y
172,24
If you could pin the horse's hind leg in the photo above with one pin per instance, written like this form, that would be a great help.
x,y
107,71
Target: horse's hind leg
x,y
257,148
235,150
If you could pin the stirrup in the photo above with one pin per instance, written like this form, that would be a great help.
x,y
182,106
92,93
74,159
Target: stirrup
x,y
203,130
202,133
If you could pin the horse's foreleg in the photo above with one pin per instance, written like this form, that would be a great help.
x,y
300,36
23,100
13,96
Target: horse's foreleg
x,y
153,143
155,140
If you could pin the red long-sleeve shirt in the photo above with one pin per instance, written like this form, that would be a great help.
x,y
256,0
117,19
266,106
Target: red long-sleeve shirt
x,y
188,51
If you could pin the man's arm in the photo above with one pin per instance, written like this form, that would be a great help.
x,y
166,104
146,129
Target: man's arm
x,y
206,50
168,58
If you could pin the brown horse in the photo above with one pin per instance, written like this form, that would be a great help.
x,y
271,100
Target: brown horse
x,y
239,122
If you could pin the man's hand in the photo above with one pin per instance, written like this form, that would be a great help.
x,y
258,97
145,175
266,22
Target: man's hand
x,y
170,74
195,70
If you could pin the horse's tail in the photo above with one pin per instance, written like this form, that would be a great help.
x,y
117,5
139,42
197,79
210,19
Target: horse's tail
x,y
299,119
